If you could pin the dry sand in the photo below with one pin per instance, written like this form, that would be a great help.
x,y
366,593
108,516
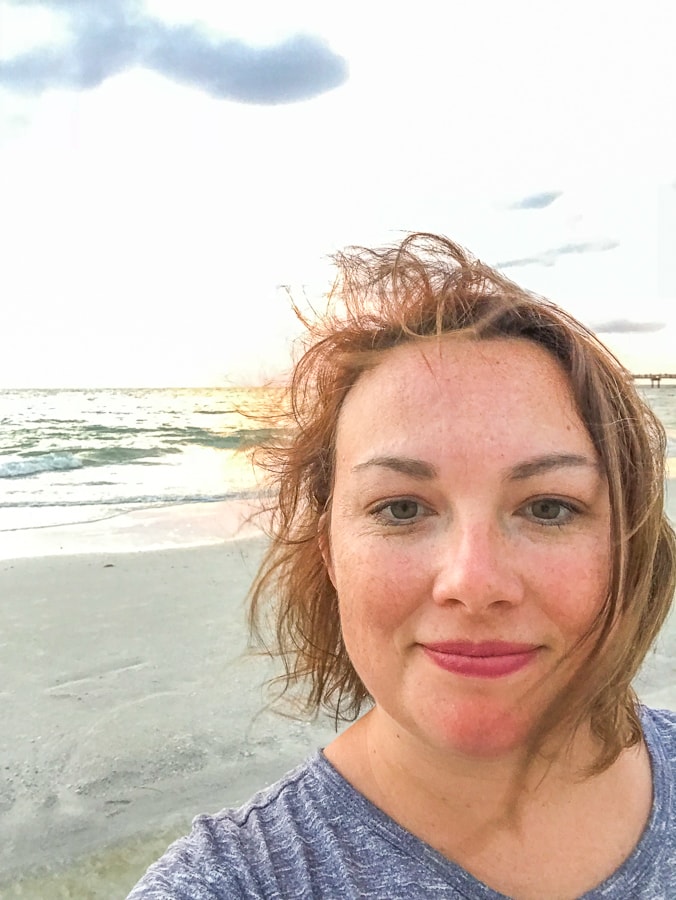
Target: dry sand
x,y
129,703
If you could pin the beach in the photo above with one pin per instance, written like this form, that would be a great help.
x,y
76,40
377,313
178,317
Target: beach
x,y
130,704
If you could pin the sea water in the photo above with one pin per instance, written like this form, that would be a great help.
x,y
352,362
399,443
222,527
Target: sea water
x,y
663,402
83,456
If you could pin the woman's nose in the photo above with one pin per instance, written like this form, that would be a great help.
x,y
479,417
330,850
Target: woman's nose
x,y
478,567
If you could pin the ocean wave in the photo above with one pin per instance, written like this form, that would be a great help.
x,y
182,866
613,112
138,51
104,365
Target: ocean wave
x,y
188,435
36,462
125,444
22,467
103,456
150,500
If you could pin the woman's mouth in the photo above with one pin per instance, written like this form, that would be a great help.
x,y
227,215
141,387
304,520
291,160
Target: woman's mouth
x,y
485,659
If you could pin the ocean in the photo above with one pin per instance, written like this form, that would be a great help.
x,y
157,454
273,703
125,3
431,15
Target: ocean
x,y
663,402
83,456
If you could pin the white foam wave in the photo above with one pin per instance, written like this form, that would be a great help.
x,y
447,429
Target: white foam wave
x,y
20,467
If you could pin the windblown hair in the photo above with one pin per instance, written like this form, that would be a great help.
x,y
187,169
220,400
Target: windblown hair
x,y
425,288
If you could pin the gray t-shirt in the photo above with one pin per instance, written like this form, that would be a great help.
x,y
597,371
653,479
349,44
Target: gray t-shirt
x,y
312,835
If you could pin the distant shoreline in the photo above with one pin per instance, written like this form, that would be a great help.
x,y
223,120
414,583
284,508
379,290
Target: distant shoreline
x,y
164,526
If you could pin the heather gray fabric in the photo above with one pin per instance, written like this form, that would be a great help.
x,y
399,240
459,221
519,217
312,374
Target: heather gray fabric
x,y
312,835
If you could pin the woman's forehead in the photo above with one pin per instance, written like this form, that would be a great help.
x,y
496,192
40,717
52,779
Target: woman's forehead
x,y
505,391
458,368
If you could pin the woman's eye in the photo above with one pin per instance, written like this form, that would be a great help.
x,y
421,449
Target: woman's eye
x,y
551,511
398,511
404,509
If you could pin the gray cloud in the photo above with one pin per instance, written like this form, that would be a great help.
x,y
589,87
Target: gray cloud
x,y
107,38
625,326
536,201
550,257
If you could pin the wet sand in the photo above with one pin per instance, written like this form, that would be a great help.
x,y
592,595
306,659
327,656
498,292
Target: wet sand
x,y
129,704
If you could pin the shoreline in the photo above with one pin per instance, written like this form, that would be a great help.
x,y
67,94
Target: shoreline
x,y
150,528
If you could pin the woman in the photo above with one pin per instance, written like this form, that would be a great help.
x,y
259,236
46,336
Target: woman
x,y
470,540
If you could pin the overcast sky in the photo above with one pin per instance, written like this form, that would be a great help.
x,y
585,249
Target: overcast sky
x,y
166,166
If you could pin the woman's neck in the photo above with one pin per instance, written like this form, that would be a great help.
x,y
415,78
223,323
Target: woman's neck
x,y
401,774
513,822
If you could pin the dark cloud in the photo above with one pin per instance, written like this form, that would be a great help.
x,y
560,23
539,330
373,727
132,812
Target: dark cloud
x,y
550,257
625,326
296,69
107,38
536,201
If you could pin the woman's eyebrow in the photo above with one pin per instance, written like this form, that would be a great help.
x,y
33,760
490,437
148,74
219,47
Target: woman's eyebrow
x,y
541,464
424,471
405,465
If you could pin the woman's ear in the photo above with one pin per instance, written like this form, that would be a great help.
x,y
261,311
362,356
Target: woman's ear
x,y
325,544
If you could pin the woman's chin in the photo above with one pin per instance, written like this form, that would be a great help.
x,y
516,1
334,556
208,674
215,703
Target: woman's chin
x,y
479,730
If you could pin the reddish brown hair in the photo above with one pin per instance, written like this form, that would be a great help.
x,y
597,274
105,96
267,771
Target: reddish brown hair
x,y
424,288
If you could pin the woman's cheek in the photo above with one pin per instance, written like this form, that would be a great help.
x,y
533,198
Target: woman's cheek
x,y
573,585
380,586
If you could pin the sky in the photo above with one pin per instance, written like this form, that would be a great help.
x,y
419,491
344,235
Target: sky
x,y
170,169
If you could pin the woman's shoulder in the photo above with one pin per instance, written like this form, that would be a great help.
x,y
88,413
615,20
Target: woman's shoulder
x,y
659,726
310,834
229,853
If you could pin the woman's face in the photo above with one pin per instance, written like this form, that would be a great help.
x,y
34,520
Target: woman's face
x,y
468,539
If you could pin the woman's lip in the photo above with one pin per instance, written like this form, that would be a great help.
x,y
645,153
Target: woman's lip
x,y
487,659
480,648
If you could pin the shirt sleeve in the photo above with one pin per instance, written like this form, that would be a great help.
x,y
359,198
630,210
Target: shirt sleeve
x,y
196,867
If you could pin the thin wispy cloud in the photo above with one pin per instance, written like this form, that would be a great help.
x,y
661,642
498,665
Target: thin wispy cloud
x,y
536,201
550,257
626,326
108,38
